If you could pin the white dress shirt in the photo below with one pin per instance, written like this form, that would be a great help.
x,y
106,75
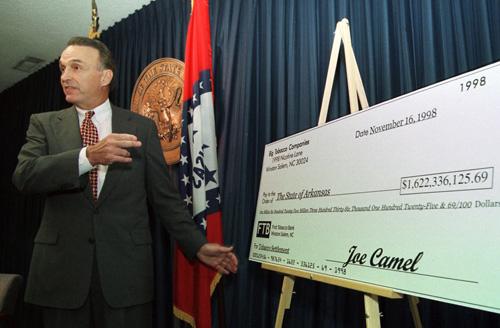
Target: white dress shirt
x,y
102,121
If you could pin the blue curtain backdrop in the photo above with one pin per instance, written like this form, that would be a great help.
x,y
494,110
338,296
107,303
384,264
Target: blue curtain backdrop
x,y
270,61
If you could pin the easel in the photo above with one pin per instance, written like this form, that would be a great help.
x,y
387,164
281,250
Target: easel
x,y
372,292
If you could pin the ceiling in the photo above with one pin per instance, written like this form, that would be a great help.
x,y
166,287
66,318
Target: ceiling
x,y
41,28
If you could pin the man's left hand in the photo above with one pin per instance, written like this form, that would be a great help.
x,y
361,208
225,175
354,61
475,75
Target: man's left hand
x,y
219,257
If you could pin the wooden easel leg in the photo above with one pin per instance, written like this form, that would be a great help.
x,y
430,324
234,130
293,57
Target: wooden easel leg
x,y
330,76
414,311
285,299
372,311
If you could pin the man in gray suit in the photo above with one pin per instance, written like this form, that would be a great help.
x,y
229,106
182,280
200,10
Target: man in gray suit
x,y
92,260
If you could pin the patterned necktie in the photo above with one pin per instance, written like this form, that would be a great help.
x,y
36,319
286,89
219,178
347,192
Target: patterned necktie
x,y
89,135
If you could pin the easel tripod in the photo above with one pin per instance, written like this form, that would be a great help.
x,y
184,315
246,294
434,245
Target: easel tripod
x,y
357,96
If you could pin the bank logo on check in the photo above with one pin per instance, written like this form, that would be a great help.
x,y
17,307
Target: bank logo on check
x,y
263,229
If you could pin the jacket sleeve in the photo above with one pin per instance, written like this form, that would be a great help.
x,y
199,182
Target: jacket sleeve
x,y
165,199
38,171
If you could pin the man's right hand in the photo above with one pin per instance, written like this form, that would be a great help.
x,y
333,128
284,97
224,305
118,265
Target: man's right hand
x,y
112,149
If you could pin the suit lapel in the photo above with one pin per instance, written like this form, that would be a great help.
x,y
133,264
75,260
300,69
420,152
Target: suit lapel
x,y
120,123
68,129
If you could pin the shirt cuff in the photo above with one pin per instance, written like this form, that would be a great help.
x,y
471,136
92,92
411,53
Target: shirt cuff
x,y
83,162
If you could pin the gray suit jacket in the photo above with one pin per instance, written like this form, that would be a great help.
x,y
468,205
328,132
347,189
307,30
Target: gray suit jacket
x,y
115,229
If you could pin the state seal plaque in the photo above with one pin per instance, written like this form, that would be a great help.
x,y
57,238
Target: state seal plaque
x,y
158,95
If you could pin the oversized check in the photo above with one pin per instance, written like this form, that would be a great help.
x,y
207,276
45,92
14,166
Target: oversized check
x,y
403,195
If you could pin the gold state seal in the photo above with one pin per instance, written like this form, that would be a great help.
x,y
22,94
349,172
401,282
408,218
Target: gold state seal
x,y
158,95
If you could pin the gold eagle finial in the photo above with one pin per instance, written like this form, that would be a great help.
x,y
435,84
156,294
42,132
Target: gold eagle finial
x,y
94,26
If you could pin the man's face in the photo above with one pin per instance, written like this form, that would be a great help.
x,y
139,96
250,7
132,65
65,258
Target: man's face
x,y
83,80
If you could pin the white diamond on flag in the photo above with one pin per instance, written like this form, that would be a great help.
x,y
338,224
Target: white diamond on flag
x,y
198,151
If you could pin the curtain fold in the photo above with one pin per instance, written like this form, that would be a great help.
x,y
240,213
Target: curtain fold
x,y
270,60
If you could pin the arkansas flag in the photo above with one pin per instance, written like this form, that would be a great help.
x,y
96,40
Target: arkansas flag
x,y
194,282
